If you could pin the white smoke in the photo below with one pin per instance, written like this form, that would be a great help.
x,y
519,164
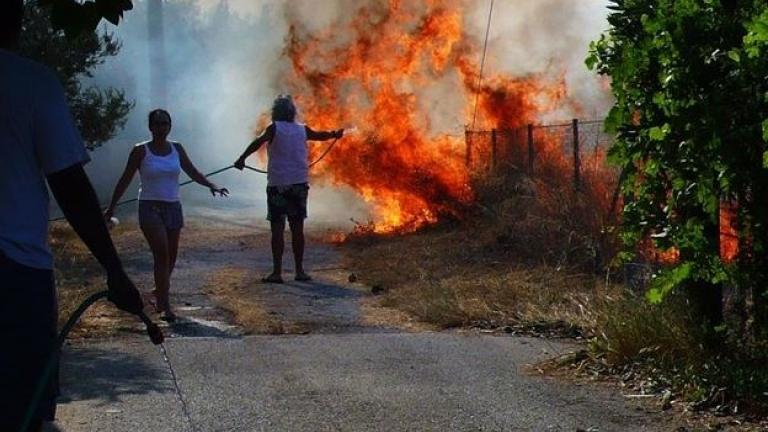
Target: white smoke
x,y
549,37
224,65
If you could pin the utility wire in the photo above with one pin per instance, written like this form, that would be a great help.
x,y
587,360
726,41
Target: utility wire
x,y
482,65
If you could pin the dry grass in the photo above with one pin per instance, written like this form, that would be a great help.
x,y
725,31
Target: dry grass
x,y
78,275
531,254
628,327
231,288
446,278
545,221
373,314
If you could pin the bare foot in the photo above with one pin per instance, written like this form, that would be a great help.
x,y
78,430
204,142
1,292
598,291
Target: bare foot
x,y
273,278
152,299
302,277
168,316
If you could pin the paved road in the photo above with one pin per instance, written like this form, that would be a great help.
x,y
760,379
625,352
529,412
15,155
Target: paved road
x,y
326,382
343,376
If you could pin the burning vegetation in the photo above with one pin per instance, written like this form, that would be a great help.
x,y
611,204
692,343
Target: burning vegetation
x,y
386,68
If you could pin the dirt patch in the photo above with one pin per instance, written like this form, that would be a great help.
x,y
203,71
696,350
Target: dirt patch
x,y
229,287
204,246
319,306
373,313
217,280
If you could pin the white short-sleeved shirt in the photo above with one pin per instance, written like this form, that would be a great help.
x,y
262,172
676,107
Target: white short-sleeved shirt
x,y
287,152
37,138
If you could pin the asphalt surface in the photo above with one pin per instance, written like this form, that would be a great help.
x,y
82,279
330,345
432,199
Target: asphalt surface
x,y
325,382
342,376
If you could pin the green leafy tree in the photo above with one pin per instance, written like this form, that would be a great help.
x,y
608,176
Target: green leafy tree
x,y
690,82
99,113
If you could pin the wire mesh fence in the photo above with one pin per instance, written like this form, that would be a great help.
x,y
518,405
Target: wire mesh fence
x,y
579,148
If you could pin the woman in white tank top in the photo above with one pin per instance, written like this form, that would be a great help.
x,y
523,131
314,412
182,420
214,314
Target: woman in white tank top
x,y
287,181
159,163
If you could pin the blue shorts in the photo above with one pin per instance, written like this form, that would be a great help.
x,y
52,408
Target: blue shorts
x,y
28,314
163,213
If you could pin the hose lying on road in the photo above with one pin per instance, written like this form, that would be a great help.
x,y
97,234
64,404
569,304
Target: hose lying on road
x,y
154,332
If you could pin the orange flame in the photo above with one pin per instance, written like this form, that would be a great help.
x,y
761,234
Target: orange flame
x,y
729,237
373,71
728,241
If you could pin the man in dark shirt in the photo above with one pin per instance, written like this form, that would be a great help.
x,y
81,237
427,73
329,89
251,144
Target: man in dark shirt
x,y
39,142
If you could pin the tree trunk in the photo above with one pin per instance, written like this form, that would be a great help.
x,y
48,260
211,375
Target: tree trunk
x,y
157,65
706,298
760,257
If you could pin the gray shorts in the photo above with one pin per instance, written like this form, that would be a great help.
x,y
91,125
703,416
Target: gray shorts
x,y
163,213
287,201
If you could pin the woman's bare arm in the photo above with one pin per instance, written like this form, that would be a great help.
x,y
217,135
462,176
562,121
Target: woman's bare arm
x,y
194,174
134,161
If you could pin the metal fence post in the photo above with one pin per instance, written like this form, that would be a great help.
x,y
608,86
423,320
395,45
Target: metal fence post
x,y
531,154
576,158
493,148
468,143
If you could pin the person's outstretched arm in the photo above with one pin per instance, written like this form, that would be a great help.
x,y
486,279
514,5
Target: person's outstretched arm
x,y
134,161
323,135
77,200
265,137
194,174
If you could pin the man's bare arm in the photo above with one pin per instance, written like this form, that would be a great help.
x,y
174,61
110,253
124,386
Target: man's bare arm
x,y
77,199
323,135
265,137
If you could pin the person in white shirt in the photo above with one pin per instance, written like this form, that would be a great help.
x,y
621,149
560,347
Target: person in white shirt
x,y
159,163
39,142
287,181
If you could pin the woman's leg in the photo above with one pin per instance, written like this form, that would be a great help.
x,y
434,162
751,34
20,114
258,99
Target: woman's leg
x,y
157,238
173,248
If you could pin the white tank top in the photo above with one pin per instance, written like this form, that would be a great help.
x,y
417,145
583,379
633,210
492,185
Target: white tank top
x,y
159,176
287,152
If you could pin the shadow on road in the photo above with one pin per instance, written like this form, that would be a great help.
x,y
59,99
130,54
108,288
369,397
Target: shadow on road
x,y
91,373
316,289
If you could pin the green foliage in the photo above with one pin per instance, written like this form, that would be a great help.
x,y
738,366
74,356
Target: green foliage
x,y
689,80
99,113
664,283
